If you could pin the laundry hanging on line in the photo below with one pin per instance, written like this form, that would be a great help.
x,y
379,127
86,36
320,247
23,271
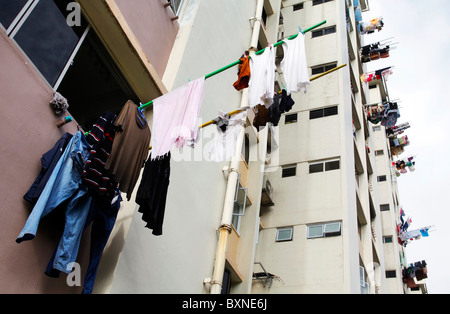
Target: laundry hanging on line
x,y
386,112
401,165
374,52
397,129
376,75
371,26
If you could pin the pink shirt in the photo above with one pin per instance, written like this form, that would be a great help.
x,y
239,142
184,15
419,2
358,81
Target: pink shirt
x,y
175,117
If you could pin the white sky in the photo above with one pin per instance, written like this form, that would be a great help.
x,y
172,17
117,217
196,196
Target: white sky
x,y
420,82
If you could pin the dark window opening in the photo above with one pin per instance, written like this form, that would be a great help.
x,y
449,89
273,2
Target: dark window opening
x,y
290,118
298,6
290,171
324,112
332,165
381,178
93,84
323,31
384,207
323,68
316,168
317,2
391,274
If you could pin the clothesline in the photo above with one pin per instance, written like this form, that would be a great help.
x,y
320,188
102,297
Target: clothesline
x,y
143,106
248,107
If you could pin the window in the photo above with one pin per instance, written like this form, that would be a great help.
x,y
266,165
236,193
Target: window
x,y
381,178
316,168
175,5
324,112
44,35
379,152
323,31
316,2
324,166
11,10
289,171
323,68
387,239
284,234
391,274
331,229
332,165
290,118
384,207
298,6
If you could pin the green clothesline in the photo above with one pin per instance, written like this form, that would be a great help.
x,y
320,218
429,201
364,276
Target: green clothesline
x,y
143,106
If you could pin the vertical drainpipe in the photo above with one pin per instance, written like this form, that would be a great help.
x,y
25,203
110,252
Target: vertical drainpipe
x,y
227,213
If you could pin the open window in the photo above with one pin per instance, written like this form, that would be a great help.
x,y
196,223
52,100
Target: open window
x,y
325,230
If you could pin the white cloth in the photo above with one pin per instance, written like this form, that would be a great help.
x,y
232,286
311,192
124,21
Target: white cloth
x,y
294,64
175,117
224,142
261,86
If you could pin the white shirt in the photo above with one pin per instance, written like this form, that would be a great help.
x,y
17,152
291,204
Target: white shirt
x,y
262,79
294,64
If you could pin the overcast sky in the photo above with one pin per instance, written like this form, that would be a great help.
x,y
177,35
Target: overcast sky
x,y
421,83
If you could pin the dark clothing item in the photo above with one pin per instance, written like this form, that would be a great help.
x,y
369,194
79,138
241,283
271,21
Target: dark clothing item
x,y
130,147
102,214
286,102
152,192
48,162
103,217
261,117
274,110
99,181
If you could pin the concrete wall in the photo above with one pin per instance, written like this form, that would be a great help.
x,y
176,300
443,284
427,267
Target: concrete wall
x,y
28,129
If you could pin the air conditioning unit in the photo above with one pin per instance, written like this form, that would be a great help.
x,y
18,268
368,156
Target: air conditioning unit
x,y
267,193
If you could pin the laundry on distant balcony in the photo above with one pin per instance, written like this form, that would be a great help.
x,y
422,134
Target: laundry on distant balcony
x,y
417,270
374,52
401,165
386,112
372,26
398,144
397,129
376,75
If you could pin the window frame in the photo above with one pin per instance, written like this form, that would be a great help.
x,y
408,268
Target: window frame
x,y
324,165
324,233
382,178
287,168
287,118
321,68
286,239
324,112
323,31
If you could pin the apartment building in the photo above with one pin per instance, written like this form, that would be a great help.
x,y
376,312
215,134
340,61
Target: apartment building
x,y
299,208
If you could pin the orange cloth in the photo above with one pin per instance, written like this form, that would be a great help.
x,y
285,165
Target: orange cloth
x,y
243,74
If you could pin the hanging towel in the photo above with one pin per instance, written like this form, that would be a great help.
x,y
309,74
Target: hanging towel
x,y
261,85
175,117
227,132
294,64
130,147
